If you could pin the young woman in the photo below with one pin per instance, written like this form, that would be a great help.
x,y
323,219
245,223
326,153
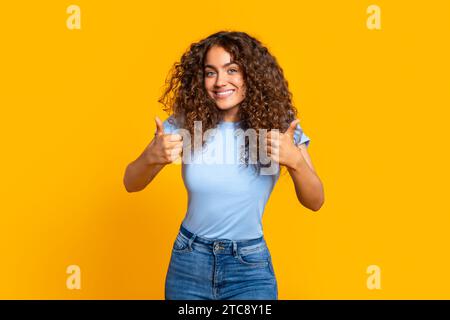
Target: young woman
x,y
230,84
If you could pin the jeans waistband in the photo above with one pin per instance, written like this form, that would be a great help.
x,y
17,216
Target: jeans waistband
x,y
224,246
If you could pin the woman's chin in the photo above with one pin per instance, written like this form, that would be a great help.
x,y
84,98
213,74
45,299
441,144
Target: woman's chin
x,y
225,106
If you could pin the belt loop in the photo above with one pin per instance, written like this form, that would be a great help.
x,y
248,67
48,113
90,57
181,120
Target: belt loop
x,y
234,248
192,239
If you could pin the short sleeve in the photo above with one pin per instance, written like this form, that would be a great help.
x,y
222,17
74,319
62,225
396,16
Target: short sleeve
x,y
300,137
169,125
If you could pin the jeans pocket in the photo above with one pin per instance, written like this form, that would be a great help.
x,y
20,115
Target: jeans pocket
x,y
256,258
181,244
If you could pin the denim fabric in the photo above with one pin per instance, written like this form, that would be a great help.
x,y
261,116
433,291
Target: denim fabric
x,y
219,269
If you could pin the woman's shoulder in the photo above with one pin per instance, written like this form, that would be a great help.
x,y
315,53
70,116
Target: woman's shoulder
x,y
170,124
300,137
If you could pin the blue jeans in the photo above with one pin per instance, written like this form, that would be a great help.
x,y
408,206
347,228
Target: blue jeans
x,y
219,269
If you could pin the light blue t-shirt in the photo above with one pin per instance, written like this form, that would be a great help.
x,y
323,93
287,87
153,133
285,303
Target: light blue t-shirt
x,y
226,200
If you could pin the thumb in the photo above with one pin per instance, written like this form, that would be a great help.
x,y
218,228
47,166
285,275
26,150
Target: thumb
x,y
159,127
290,131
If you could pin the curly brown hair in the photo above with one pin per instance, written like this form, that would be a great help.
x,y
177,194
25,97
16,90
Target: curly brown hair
x,y
267,103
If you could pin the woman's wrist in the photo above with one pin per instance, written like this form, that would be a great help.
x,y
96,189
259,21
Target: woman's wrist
x,y
297,162
147,157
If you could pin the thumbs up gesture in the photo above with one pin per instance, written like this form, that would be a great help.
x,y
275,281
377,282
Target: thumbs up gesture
x,y
164,148
280,147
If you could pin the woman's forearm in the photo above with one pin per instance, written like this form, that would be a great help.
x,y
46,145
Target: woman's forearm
x,y
140,173
308,187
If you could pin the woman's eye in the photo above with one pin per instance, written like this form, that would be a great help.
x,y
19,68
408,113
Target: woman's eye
x,y
209,73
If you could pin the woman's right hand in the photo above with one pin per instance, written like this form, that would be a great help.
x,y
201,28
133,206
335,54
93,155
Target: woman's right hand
x,y
164,148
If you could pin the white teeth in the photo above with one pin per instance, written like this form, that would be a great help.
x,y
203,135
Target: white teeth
x,y
224,93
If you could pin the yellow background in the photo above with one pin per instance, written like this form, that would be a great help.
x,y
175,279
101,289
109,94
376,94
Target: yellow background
x,y
78,106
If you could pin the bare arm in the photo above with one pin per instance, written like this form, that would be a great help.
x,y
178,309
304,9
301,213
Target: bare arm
x,y
162,150
308,187
140,173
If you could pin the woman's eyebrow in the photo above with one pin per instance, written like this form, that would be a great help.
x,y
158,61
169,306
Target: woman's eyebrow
x,y
225,65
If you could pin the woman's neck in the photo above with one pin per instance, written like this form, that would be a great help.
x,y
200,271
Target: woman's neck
x,y
231,115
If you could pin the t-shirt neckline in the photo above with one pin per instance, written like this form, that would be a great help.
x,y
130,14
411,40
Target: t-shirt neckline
x,y
229,123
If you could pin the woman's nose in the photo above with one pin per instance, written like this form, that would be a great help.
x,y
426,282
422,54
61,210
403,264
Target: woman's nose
x,y
221,80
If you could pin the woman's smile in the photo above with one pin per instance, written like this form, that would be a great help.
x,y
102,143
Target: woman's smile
x,y
224,81
223,94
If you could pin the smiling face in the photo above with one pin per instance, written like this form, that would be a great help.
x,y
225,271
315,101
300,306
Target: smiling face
x,y
224,81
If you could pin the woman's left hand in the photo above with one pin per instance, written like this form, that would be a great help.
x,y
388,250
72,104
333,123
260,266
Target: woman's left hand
x,y
281,147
